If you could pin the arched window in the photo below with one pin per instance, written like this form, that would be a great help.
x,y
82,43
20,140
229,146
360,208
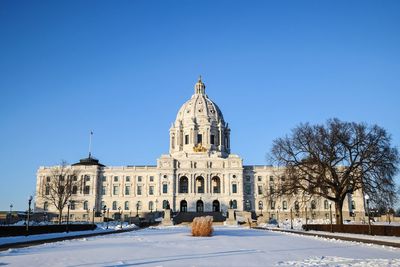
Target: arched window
x,y
234,204
284,205
260,205
151,206
183,185
85,205
126,205
103,204
72,205
183,206
216,185
313,205
114,205
353,205
326,204
200,185
46,206
165,204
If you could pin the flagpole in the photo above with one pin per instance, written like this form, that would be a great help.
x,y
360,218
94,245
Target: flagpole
x,y
90,144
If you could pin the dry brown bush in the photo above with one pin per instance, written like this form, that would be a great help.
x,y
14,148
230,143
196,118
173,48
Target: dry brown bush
x,y
202,226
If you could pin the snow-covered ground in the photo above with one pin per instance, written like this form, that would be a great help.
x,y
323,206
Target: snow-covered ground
x,y
229,246
101,228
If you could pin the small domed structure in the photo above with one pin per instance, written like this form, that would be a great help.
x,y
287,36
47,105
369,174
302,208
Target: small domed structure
x,y
199,126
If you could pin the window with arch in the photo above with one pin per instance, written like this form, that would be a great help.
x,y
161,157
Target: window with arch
x,y
272,205
85,205
46,206
102,204
165,204
296,205
114,205
72,205
353,205
151,205
284,205
216,185
183,185
234,204
200,185
74,190
326,204
126,205
313,204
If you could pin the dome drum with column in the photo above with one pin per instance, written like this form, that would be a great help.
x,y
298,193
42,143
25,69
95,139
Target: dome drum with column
x,y
199,127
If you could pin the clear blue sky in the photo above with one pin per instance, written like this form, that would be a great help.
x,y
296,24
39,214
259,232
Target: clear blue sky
x,y
123,69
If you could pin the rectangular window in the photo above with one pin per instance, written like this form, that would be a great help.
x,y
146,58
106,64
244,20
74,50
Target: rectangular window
x,y
212,139
186,139
165,189
234,188
127,178
271,178
86,190
115,178
199,139
259,178
151,178
48,178
151,190
127,190
115,190
87,178
139,178
47,189
139,190
260,191
103,190
104,178
271,190
272,205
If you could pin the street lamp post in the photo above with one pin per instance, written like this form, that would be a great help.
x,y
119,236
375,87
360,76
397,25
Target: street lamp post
x,y
291,218
369,218
120,216
330,212
10,219
29,214
277,216
108,216
306,218
68,207
93,213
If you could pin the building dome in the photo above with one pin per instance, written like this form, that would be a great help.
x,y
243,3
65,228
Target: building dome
x,y
199,127
199,108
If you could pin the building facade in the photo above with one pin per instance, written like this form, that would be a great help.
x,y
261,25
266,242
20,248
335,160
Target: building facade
x,y
199,174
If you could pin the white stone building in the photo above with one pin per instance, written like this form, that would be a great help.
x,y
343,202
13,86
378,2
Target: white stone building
x,y
198,174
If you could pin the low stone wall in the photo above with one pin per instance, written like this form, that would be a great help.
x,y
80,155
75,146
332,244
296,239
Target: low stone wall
x,y
384,230
43,229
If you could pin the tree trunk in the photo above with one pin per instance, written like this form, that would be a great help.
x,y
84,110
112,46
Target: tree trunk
x,y
339,212
59,216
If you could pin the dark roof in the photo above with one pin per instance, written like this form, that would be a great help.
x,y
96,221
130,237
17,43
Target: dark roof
x,y
90,161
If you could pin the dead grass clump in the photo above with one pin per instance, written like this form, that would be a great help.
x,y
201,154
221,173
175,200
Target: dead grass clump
x,y
202,226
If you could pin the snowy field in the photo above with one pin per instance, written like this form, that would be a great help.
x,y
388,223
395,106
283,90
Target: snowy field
x,y
230,246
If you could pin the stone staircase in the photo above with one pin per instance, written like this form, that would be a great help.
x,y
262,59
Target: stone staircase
x,y
187,217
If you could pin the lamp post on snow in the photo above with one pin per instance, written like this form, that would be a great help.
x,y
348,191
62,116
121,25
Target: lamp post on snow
x,y
369,218
10,219
330,216
291,218
277,216
29,214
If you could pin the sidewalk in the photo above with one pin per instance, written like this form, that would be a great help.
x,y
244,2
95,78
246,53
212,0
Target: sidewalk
x,y
26,241
392,241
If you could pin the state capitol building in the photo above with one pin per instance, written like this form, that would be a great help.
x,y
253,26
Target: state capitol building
x,y
198,175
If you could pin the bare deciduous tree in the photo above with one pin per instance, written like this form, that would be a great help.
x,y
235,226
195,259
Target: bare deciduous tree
x,y
336,159
60,186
